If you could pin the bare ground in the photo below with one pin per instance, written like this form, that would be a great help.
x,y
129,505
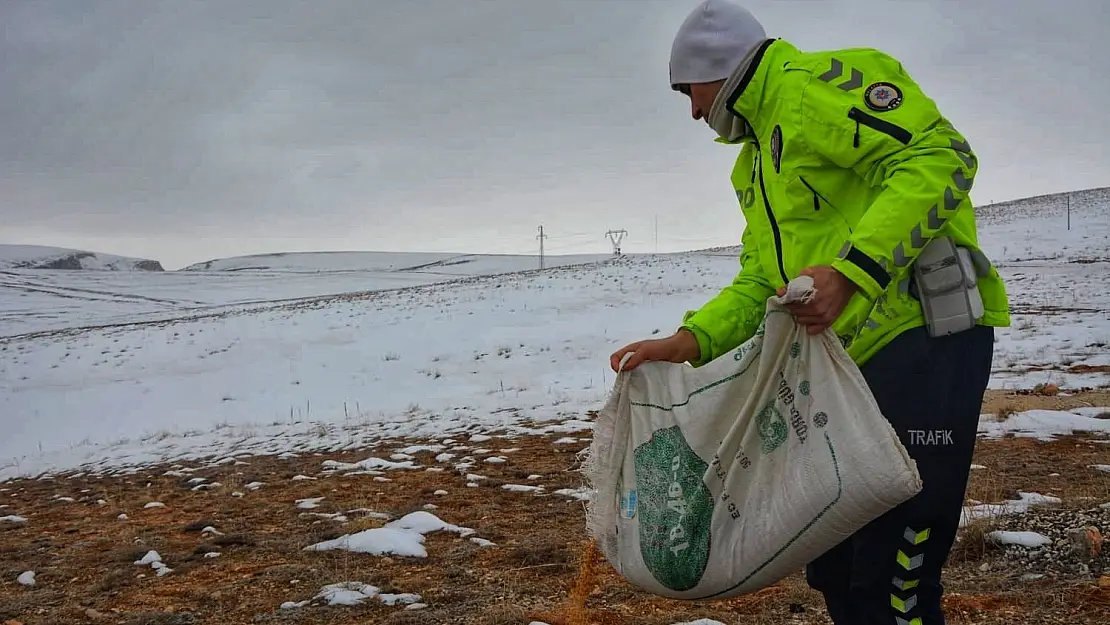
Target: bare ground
x,y
84,555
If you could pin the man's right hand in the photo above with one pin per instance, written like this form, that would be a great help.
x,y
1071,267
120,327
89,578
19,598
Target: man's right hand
x,y
680,347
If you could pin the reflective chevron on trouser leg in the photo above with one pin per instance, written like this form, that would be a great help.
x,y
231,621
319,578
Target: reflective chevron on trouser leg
x,y
910,558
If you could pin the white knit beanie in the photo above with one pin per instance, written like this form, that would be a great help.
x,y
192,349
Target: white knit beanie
x,y
715,37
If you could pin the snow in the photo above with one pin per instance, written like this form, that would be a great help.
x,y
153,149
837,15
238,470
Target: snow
x,y
402,537
352,594
1042,424
521,488
378,541
1030,540
33,257
1006,508
329,352
155,561
12,518
26,578
425,522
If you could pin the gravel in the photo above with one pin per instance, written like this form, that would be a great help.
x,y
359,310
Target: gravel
x,y
1063,557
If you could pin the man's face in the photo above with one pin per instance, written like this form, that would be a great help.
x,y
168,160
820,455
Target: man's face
x,y
701,97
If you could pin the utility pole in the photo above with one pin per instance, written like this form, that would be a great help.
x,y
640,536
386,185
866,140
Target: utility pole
x,y
1069,211
657,234
541,236
615,237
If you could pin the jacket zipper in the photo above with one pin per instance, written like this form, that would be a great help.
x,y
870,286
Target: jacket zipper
x,y
818,198
899,133
816,195
771,218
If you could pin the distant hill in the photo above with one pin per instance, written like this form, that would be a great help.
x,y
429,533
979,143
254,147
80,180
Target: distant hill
x,y
44,257
422,262
1049,205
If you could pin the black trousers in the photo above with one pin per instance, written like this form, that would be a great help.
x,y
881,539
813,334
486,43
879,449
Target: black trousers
x,y
931,390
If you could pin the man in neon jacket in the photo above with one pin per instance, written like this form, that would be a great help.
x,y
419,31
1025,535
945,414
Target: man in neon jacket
x,y
846,171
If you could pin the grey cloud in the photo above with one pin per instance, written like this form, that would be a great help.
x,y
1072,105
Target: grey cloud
x,y
190,130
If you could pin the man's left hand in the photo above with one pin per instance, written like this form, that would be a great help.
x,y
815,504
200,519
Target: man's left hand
x,y
833,292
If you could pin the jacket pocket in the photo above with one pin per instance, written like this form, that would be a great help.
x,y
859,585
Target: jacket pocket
x,y
899,133
819,202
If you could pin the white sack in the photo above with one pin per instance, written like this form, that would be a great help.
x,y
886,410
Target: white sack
x,y
717,481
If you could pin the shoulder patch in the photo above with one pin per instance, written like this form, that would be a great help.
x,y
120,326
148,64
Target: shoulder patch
x,y
776,148
882,96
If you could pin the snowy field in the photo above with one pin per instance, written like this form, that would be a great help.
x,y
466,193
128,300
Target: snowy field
x,y
315,353
43,300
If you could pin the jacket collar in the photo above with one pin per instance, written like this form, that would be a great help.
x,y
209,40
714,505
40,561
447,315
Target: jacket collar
x,y
758,84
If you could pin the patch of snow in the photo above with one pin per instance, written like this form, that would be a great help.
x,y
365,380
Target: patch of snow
x,y
377,541
520,488
352,594
12,518
1045,425
330,516
424,522
1029,540
583,493
416,449
309,503
370,464
154,504
26,578
1006,508
254,486
369,513
151,556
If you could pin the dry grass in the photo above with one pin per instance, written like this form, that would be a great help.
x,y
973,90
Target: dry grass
x,y
542,569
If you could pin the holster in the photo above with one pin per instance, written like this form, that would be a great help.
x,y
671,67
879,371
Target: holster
x,y
947,280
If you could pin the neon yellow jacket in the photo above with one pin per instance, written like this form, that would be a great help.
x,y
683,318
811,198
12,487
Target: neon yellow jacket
x,y
847,163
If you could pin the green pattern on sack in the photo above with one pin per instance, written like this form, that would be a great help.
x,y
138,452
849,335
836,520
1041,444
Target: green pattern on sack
x,y
772,427
675,509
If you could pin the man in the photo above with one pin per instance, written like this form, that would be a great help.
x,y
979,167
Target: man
x,y
848,173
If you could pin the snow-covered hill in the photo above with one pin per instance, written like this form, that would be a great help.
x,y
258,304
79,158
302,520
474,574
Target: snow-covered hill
x,y
198,360
424,262
44,257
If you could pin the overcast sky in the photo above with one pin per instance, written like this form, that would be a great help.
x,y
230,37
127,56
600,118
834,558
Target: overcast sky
x,y
184,131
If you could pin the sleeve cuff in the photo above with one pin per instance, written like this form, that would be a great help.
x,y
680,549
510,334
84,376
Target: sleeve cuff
x,y
860,268
704,348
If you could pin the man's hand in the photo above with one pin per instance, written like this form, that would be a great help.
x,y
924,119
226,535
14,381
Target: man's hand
x,y
833,292
680,347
